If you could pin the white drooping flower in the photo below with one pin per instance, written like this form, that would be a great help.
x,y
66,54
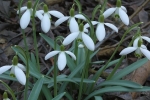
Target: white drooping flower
x,y
73,25
25,18
16,70
100,30
45,17
139,49
81,35
120,11
62,61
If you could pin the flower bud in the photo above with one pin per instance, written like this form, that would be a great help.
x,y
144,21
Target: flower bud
x,y
71,12
29,5
81,27
45,8
15,60
118,3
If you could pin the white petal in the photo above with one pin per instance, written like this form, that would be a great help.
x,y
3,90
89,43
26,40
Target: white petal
x,y
80,16
100,32
22,9
51,54
71,54
127,50
135,42
85,30
123,16
112,27
12,71
39,15
61,20
73,25
46,23
22,67
56,14
25,19
93,23
146,38
108,12
70,38
124,8
145,52
5,68
20,75
88,42
61,61
41,11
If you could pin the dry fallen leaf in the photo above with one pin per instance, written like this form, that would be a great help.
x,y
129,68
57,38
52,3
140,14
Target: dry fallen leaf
x,y
52,2
140,75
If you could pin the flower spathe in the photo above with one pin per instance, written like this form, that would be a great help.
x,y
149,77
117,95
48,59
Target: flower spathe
x,y
16,70
139,50
119,11
62,61
45,17
80,34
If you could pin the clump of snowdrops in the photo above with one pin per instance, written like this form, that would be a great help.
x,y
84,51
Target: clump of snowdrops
x,y
78,59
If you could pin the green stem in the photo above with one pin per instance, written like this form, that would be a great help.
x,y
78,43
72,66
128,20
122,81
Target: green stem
x,y
27,66
83,73
76,49
35,42
104,6
55,74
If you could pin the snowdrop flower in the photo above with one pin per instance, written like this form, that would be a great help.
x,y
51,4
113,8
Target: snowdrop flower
x,y
62,61
80,34
120,11
5,96
100,30
73,25
139,49
16,70
45,17
25,18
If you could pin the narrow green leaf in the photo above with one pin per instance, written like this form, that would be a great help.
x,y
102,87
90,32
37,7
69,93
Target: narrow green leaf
x,y
98,98
68,96
7,77
124,83
49,41
70,63
84,80
129,69
116,89
51,81
36,89
95,52
99,71
58,97
72,74
46,93
33,59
